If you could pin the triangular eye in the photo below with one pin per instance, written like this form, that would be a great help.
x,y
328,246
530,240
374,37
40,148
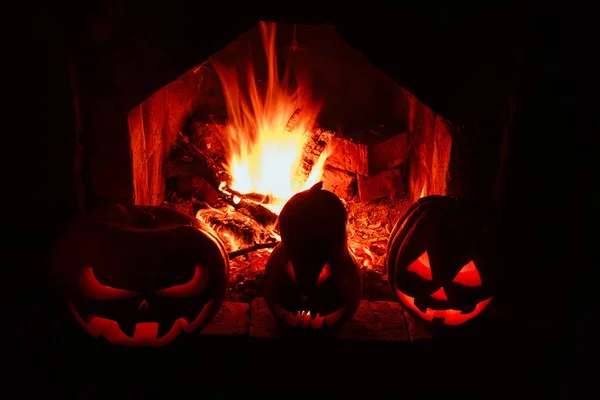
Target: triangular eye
x,y
289,270
421,267
325,273
468,275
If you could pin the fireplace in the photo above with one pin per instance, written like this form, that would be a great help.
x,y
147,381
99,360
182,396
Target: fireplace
x,y
119,61
275,111
227,120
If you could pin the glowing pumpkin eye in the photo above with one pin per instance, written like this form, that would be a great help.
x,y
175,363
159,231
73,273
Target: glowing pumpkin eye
x,y
468,275
289,270
421,267
325,274
91,287
194,287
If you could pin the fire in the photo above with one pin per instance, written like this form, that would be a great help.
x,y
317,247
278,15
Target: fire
x,y
264,148
431,161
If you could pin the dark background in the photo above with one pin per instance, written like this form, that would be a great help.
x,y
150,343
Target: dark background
x,y
450,58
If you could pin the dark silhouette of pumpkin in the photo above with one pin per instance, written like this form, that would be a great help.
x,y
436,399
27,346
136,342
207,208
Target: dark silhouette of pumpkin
x,y
438,264
140,275
311,279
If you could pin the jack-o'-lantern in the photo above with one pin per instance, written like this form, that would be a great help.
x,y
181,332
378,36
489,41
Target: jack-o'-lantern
x,y
140,275
311,279
438,264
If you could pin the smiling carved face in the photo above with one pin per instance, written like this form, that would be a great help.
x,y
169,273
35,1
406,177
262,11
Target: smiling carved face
x,y
311,278
437,265
468,277
299,301
139,276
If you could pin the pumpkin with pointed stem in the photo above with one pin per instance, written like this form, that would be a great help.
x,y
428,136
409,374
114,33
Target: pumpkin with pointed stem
x,y
438,263
311,279
140,275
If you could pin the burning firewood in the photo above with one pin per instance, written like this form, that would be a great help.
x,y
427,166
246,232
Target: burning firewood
x,y
262,215
252,197
194,161
250,249
314,143
236,229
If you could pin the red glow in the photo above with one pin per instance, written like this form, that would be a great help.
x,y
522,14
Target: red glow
x,y
430,151
450,316
289,269
325,273
94,289
143,306
145,332
468,275
439,295
192,288
421,267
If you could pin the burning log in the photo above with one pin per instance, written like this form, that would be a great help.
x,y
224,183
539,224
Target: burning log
x,y
314,143
236,229
250,249
252,197
194,161
262,215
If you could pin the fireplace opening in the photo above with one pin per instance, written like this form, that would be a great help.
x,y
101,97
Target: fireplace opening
x,y
277,110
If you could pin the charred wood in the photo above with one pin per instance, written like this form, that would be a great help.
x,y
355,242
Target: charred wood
x,y
251,249
187,159
261,214
314,142
236,228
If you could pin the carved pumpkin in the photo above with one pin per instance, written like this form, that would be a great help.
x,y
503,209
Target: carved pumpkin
x,y
139,275
311,278
437,261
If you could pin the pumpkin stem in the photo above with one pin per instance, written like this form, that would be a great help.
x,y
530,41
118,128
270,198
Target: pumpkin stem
x,y
316,186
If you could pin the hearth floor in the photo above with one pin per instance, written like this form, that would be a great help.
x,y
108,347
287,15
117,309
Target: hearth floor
x,y
381,350
374,320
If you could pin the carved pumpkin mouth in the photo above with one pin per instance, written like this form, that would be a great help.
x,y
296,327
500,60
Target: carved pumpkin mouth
x,y
304,319
144,333
449,316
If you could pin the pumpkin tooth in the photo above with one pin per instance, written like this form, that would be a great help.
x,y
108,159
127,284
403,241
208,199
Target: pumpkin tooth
x,y
305,319
317,322
146,330
127,327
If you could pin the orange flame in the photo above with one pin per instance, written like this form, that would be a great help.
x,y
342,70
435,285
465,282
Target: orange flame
x,y
264,151
423,191
430,159
229,238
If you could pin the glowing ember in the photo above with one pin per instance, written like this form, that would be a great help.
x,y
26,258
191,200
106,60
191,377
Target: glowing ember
x,y
264,150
